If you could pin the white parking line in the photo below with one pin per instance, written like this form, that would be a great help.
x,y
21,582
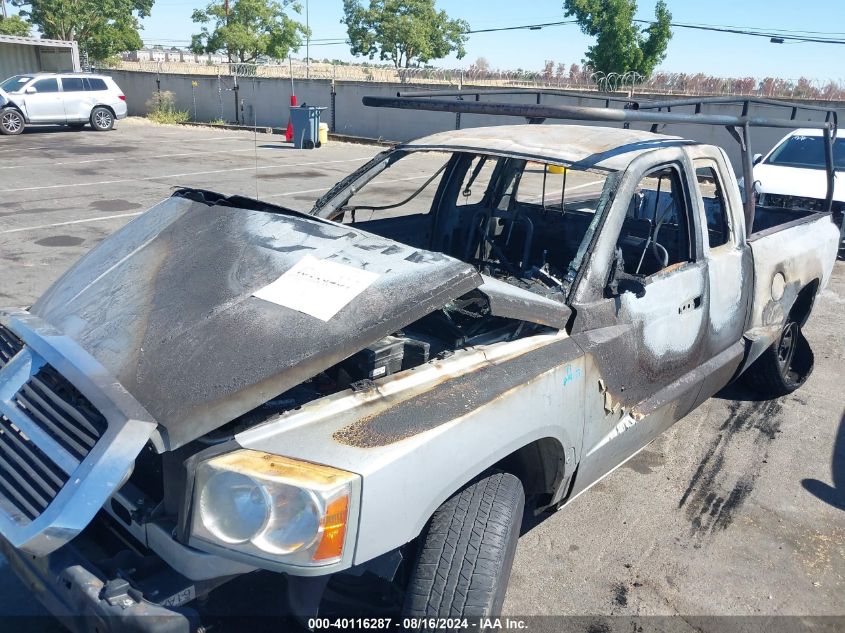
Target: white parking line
x,y
182,175
142,142
134,213
156,157
83,221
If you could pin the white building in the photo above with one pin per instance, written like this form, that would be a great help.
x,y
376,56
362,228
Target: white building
x,y
142,55
31,55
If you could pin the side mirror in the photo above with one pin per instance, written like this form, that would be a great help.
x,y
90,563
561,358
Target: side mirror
x,y
620,281
756,158
31,90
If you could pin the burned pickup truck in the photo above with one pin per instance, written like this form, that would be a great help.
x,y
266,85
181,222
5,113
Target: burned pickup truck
x,y
374,394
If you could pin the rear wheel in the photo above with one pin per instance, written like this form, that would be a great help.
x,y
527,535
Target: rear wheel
x,y
466,553
785,366
102,119
11,121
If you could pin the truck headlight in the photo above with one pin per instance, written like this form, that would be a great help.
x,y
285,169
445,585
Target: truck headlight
x,y
274,508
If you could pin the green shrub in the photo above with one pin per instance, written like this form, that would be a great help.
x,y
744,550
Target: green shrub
x,y
161,108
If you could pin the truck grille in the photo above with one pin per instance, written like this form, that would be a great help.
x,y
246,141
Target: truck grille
x,y
47,428
60,410
29,479
9,345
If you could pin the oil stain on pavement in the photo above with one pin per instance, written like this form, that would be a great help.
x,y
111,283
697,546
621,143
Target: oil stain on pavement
x,y
714,494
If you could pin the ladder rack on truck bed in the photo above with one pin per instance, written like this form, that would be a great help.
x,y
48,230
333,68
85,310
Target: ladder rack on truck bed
x,y
739,126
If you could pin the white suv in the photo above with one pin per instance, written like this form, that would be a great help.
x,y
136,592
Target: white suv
x,y
72,99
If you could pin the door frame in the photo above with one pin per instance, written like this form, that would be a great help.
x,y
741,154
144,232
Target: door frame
x,y
597,329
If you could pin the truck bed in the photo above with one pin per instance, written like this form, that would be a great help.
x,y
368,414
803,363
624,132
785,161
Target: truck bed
x,y
788,256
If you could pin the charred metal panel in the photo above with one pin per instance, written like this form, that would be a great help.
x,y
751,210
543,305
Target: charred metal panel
x,y
583,146
507,300
643,349
786,259
541,402
466,392
166,305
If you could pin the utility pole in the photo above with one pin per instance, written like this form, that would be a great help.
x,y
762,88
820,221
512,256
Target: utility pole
x,y
3,4
228,52
307,44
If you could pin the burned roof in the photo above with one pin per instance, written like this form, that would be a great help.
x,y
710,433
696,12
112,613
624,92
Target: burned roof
x,y
583,146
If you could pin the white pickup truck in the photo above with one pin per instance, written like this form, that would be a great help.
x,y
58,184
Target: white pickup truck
x,y
365,400
792,174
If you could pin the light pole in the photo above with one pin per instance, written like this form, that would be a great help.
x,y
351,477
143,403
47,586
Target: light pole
x,y
307,44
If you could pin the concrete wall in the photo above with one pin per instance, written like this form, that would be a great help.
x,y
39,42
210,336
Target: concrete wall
x,y
266,102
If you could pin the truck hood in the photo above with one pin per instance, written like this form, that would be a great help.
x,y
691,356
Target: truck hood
x,y
166,304
794,181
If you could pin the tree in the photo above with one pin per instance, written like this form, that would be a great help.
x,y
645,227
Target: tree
x,y
14,25
404,31
621,45
481,65
560,72
251,29
102,27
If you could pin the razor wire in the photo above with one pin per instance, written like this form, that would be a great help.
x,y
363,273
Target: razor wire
x,y
629,83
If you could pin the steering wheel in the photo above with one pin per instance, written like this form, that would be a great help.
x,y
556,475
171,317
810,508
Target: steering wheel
x,y
660,254
658,250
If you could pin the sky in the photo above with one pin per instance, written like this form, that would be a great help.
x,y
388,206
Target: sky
x,y
689,51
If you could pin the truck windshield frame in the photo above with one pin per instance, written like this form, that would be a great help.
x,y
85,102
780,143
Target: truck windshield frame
x,y
508,193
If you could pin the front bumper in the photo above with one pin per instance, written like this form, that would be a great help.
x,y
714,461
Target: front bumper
x,y
78,595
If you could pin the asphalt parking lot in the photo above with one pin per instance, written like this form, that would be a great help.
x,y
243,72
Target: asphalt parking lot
x,y
737,510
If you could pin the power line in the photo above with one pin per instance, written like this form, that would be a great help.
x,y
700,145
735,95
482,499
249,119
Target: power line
x,y
530,27
786,34
780,34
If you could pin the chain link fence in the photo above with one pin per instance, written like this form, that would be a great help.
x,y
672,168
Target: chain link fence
x,y
629,83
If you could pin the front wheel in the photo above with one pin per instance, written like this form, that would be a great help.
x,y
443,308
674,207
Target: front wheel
x,y
466,553
785,366
102,119
11,121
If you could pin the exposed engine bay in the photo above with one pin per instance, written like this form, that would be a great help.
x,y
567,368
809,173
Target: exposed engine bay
x,y
522,225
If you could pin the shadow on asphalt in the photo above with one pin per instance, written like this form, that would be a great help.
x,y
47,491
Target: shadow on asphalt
x,y
52,129
835,494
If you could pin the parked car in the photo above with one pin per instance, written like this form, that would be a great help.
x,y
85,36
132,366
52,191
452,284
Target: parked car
x,y
71,99
792,175
367,398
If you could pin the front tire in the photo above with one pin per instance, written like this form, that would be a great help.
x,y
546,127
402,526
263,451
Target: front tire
x,y
11,122
784,366
466,553
102,119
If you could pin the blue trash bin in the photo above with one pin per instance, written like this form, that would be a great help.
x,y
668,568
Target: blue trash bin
x,y
305,120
